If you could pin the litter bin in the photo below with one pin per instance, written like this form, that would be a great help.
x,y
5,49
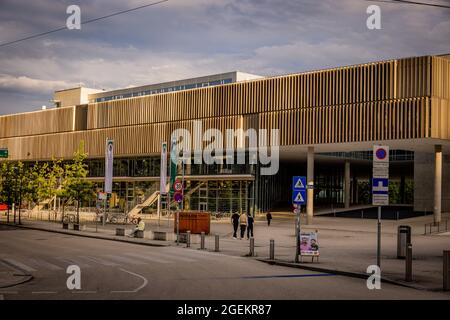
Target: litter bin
x,y
403,238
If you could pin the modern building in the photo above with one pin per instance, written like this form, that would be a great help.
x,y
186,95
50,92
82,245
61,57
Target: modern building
x,y
328,121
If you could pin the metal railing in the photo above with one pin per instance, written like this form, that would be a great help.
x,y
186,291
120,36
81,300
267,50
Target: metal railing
x,y
436,227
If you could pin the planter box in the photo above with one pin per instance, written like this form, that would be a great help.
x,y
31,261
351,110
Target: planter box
x,y
160,235
120,231
76,227
66,226
139,234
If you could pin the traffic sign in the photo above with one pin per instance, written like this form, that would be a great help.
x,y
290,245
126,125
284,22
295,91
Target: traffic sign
x,y
299,196
178,197
380,174
298,183
3,153
178,186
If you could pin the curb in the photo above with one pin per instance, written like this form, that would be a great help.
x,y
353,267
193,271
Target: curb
x,y
345,273
87,235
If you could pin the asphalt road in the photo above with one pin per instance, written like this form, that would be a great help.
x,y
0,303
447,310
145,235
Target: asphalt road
x,y
114,270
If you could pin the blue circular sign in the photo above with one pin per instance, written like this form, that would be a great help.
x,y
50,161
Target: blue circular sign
x,y
381,153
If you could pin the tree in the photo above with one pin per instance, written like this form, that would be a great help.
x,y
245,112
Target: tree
x,y
75,185
6,185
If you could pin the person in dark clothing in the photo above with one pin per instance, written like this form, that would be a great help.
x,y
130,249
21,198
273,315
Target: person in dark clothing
x,y
269,218
235,222
250,222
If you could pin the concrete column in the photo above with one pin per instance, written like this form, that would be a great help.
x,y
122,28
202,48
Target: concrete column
x,y
437,183
310,182
347,184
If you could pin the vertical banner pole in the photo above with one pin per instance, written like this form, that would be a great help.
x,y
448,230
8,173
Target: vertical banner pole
x,y
379,238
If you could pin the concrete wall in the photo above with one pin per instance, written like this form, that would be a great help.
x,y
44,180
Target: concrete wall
x,y
424,182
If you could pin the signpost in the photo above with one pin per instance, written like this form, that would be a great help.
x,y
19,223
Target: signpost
x,y
162,178
380,187
298,198
109,165
4,153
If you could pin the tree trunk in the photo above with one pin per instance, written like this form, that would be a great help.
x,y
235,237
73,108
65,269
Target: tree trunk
x,y
78,212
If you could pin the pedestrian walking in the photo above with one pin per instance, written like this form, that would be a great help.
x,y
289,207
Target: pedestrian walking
x,y
250,223
268,217
243,220
235,222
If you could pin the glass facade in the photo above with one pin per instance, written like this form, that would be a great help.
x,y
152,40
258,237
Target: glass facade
x,y
165,90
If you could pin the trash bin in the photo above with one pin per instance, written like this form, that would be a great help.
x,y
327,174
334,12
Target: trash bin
x,y
403,238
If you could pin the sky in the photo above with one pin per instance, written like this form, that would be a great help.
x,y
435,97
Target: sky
x,y
189,38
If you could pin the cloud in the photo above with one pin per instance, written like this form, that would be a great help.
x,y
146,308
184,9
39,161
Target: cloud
x,y
188,38
30,85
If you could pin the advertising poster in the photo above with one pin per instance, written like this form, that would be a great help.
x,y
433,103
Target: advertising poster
x,y
309,245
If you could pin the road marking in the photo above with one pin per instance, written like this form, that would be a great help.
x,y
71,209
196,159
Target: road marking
x,y
44,292
46,264
100,261
123,259
144,284
290,276
19,265
8,292
84,291
147,257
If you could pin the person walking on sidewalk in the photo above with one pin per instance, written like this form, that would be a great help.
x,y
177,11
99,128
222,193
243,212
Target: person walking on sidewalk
x,y
269,218
235,222
243,220
250,223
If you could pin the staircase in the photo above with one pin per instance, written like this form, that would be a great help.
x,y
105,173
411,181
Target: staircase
x,y
42,204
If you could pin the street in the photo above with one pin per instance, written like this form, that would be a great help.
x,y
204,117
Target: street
x,y
114,270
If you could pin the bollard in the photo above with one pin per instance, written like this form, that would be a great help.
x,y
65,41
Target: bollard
x,y
362,214
446,275
272,250
216,243
398,215
188,239
408,263
252,247
202,241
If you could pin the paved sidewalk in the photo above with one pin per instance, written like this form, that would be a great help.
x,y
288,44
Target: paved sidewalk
x,y
346,245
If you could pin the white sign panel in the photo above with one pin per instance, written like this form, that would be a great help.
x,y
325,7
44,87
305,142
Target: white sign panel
x,y
163,175
109,159
380,173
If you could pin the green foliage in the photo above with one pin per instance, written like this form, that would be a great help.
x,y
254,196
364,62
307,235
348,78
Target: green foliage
x,y
43,181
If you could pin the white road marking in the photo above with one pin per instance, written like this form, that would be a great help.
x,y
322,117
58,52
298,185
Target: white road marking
x,y
44,292
45,264
147,257
20,265
84,291
123,259
8,292
144,284
100,261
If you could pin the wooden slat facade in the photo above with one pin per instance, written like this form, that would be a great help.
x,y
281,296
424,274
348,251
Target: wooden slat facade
x,y
396,99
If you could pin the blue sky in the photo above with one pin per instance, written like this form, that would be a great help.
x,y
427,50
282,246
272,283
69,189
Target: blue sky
x,y
187,38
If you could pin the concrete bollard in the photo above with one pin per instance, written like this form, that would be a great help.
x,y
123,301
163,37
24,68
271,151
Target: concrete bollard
x,y
202,241
188,239
216,249
408,263
272,250
252,247
446,271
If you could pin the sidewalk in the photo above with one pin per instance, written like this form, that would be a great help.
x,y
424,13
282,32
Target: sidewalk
x,y
346,245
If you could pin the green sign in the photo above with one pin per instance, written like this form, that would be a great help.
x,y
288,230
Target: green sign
x,y
3,153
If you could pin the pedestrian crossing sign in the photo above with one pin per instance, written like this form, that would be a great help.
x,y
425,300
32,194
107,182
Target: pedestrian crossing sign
x,y
299,197
298,183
